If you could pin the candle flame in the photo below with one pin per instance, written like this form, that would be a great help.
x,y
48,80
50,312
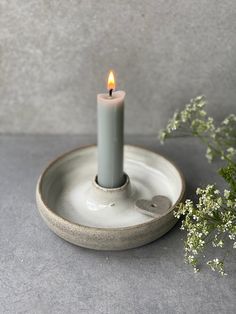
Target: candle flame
x,y
111,84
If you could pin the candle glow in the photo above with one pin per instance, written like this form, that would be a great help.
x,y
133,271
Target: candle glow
x,y
111,84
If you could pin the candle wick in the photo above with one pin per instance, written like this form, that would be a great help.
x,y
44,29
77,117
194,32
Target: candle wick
x,y
110,92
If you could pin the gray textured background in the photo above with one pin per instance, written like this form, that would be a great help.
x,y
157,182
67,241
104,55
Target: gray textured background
x,y
55,56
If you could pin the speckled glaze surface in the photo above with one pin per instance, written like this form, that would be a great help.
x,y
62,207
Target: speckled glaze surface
x,y
79,212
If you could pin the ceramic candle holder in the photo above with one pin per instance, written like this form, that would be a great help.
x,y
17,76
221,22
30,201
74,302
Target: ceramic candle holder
x,y
80,211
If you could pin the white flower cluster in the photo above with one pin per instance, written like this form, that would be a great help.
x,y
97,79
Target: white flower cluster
x,y
193,121
191,112
213,218
217,265
207,221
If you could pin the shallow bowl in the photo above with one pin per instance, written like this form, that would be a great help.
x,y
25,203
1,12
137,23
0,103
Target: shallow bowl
x,y
72,207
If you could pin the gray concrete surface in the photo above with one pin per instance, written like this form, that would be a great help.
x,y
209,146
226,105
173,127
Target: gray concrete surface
x,y
41,273
55,55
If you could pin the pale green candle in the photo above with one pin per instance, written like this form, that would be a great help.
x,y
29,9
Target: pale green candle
x,y
110,139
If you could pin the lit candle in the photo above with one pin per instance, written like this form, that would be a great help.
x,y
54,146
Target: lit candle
x,y
110,136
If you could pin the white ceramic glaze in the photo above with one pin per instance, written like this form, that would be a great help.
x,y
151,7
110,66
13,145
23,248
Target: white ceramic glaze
x,y
71,193
67,191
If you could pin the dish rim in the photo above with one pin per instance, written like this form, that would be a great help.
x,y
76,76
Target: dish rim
x,y
65,221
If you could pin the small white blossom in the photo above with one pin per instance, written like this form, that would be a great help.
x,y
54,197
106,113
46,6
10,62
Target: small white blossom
x,y
226,193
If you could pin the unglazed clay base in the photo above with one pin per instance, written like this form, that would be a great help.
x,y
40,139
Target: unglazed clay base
x,y
81,212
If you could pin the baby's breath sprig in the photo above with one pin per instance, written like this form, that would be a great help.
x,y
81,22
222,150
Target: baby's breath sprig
x,y
212,219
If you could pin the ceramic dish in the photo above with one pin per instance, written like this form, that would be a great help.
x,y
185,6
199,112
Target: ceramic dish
x,y
77,210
